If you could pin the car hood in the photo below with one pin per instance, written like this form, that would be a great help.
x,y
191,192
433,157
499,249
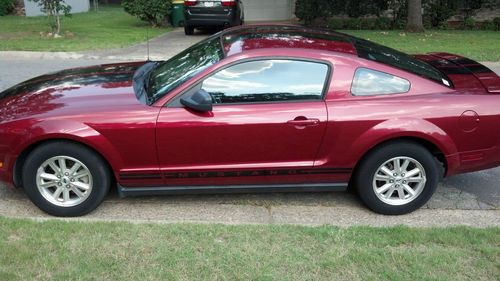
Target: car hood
x,y
87,87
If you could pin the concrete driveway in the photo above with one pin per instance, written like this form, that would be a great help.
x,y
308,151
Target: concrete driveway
x,y
470,199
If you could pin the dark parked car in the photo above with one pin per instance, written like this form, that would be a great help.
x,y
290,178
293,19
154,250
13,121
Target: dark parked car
x,y
212,13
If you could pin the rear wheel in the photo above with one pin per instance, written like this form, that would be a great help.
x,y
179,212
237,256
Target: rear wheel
x,y
65,179
397,178
188,30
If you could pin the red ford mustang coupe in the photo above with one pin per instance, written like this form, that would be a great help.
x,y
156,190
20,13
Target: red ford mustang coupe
x,y
255,108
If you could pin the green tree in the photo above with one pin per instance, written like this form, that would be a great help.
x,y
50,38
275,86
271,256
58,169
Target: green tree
x,y
7,6
54,9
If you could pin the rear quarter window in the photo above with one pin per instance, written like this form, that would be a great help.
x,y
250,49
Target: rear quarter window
x,y
369,82
375,52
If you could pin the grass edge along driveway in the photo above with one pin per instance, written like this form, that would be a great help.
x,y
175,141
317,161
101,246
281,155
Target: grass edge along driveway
x,y
61,250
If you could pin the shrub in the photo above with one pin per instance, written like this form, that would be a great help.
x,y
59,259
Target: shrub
x,y
400,13
308,10
444,26
496,22
469,24
152,11
353,23
304,10
399,24
487,25
335,23
367,23
357,8
7,6
383,23
437,12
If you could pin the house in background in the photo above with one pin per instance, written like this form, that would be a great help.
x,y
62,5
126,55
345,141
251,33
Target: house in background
x,y
77,6
255,10
269,10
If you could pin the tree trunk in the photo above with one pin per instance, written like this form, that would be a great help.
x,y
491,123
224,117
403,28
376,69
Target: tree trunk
x,y
50,14
415,23
58,26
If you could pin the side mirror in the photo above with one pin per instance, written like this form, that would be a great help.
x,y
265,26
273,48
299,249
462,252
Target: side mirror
x,y
199,101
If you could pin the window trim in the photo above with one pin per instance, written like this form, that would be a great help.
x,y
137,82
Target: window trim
x,y
377,95
175,102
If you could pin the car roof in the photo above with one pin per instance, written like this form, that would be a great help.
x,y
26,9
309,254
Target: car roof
x,y
250,37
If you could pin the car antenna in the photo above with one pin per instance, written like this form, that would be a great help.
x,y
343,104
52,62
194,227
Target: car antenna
x,y
147,42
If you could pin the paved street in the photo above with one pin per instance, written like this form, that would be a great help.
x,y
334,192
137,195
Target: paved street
x,y
470,199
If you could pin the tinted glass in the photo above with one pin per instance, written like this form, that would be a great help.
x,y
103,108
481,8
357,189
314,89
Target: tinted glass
x,y
368,82
170,74
253,37
268,81
283,37
385,55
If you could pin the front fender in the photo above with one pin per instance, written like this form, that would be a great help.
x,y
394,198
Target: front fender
x,y
22,139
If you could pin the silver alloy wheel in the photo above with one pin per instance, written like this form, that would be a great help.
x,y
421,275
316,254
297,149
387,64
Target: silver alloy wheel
x,y
64,181
399,181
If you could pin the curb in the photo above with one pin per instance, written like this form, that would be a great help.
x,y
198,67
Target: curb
x,y
26,55
40,55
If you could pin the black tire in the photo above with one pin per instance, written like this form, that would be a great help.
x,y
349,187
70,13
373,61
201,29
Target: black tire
x,y
96,165
188,30
370,164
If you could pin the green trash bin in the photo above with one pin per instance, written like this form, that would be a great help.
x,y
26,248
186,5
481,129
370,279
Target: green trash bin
x,y
177,14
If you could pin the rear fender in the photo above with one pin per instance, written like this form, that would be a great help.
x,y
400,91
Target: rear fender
x,y
401,128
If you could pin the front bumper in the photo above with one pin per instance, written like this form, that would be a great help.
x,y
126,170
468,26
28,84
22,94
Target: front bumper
x,y
9,138
6,175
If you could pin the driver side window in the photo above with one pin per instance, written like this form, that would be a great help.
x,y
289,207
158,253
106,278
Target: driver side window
x,y
268,81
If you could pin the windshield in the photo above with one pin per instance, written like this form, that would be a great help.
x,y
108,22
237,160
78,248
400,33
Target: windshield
x,y
371,51
170,74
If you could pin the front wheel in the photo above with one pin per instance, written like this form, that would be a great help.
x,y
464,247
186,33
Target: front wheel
x,y
397,178
65,179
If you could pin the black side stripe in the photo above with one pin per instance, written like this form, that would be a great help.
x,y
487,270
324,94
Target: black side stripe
x,y
254,173
246,173
130,176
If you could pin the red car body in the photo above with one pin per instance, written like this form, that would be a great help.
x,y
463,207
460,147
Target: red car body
x,y
151,146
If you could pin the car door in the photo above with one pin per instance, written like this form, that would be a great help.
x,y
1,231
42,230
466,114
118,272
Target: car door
x,y
266,126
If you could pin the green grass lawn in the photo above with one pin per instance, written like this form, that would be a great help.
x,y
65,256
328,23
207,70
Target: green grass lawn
x,y
475,44
58,250
110,27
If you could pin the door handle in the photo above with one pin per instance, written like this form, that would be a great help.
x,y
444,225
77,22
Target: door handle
x,y
303,122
